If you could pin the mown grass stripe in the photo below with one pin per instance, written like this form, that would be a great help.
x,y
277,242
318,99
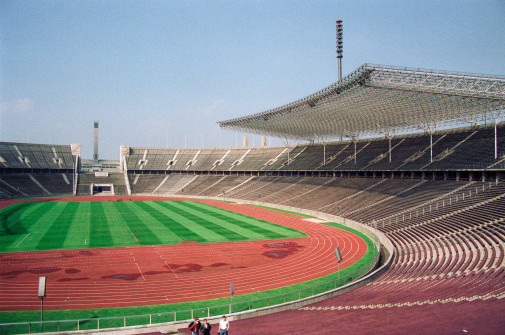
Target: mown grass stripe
x,y
10,217
175,226
163,232
207,225
21,221
100,234
140,231
272,230
79,230
229,229
58,228
192,223
252,224
40,222
121,233
12,231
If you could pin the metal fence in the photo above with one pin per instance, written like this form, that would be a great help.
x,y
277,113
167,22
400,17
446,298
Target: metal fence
x,y
202,312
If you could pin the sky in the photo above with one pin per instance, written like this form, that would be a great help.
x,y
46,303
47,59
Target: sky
x,y
163,73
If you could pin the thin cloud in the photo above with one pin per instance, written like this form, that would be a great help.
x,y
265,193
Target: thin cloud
x,y
18,107
210,109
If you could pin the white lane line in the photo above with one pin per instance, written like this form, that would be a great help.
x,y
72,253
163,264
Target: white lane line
x,y
22,239
175,274
138,267
168,266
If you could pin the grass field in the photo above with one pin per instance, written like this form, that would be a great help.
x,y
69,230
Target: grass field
x,y
73,225
23,316
69,225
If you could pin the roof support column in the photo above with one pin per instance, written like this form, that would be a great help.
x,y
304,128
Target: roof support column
x,y
355,152
355,138
495,141
430,127
431,146
389,133
390,150
497,115
286,142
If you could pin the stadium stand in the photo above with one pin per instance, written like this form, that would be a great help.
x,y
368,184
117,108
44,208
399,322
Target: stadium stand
x,y
36,169
448,253
213,186
145,184
140,160
454,149
32,184
158,184
464,149
36,156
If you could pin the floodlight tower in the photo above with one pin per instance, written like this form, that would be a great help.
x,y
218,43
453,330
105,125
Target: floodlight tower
x,y
339,48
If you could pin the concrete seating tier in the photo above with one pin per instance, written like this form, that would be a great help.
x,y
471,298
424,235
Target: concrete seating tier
x,y
207,159
201,184
183,184
35,156
145,184
34,184
219,188
465,148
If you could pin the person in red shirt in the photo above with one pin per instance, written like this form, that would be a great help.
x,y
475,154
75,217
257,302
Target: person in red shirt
x,y
195,327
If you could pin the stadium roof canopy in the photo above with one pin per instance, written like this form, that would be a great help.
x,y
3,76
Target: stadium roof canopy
x,y
377,99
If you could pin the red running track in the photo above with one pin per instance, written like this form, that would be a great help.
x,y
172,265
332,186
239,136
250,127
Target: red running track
x,y
161,274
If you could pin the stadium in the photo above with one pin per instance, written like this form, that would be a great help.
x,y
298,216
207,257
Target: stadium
x,y
374,205
418,217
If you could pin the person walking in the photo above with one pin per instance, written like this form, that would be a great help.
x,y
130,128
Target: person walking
x,y
205,327
224,326
195,327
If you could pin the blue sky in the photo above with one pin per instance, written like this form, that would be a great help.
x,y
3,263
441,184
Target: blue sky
x,y
158,73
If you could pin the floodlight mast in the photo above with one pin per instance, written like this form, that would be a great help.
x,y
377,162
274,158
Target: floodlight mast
x,y
339,48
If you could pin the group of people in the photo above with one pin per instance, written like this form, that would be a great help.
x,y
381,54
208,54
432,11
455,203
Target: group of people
x,y
204,328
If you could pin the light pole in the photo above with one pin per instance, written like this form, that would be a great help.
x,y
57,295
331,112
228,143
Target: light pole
x,y
232,291
375,227
42,294
339,258
339,48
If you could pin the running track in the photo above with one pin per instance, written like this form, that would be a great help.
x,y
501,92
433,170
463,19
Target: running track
x,y
161,274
